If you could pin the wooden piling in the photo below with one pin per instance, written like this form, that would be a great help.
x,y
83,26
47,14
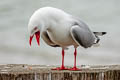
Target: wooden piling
x,y
43,72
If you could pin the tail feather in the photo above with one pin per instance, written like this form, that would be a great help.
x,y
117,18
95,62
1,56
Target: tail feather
x,y
97,34
100,33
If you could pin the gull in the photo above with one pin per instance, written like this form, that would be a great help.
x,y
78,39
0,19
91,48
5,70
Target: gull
x,y
60,29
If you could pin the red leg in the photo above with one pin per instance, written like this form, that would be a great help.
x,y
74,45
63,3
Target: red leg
x,y
75,68
62,66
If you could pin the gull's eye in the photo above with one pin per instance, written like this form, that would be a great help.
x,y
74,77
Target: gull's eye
x,y
35,28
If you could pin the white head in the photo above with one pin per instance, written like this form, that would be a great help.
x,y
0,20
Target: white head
x,y
34,27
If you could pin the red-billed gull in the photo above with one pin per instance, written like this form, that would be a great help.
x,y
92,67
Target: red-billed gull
x,y
60,29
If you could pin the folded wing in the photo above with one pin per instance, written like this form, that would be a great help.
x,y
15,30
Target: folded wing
x,y
82,36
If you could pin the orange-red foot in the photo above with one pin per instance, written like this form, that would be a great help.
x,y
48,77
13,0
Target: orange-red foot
x,y
74,69
60,68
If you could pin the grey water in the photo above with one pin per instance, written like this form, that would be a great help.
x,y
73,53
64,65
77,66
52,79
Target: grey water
x,y
100,15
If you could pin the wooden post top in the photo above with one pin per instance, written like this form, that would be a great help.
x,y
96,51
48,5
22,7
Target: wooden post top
x,y
44,72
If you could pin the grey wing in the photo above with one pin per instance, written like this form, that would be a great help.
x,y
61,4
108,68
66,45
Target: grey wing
x,y
82,36
47,40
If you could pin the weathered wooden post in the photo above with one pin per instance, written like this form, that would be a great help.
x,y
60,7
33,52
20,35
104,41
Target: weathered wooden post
x,y
42,72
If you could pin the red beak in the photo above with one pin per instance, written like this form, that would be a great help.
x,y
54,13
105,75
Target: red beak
x,y
30,40
37,34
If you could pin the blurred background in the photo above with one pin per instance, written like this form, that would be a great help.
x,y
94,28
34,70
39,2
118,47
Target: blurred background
x,y
100,15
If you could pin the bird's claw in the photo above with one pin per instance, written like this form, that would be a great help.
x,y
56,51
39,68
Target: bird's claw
x,y
74,69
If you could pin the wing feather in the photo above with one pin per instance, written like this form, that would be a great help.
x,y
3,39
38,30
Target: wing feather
x,y
82,36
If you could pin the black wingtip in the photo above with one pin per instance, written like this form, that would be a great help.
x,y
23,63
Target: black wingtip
x,y
103,33
100,33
